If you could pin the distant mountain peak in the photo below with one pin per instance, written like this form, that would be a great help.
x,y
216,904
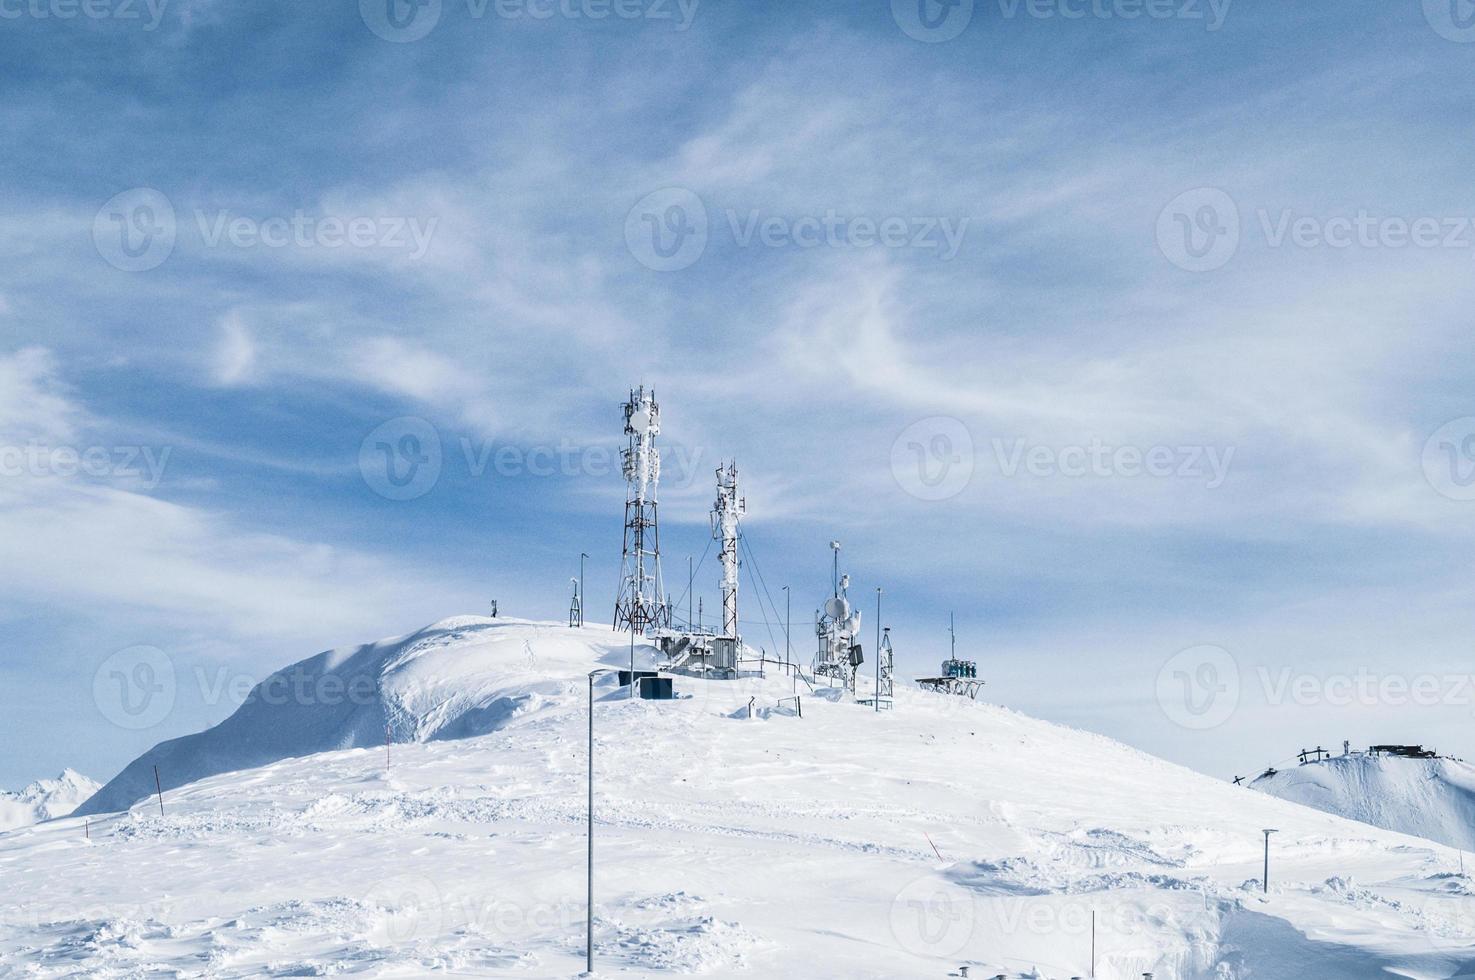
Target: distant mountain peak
x,y
45,799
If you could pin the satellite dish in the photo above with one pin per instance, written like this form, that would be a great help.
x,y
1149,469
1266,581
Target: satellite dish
x,y
837,608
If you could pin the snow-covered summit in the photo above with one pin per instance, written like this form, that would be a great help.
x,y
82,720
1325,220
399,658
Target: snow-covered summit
x,y
45,799
462,676
736,834
1433,798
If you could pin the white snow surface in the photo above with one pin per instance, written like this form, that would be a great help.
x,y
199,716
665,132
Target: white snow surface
x,y
843,843
45,799
1433,798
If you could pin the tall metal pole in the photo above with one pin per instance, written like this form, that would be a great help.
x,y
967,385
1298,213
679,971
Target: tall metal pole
x,y
690,583
589,937
1265,881
786,629
582,557
878,649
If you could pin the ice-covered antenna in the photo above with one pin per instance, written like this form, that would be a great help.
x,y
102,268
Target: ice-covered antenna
x,y
835,573
952,638
640,604
725,514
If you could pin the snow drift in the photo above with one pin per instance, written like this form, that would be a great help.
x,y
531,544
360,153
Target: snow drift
x,y
1433,798
458,678
45,799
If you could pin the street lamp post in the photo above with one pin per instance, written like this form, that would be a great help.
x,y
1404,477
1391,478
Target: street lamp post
x,y
1265,881
589,939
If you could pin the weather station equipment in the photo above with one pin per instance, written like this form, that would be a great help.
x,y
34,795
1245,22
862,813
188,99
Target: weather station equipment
x,y
837,626
885,696
958,677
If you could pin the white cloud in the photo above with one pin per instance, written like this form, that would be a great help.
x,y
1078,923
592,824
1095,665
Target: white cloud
x,y
235,357
89,543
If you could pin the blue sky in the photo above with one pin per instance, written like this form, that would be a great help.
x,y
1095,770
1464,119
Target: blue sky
x,y
1232,239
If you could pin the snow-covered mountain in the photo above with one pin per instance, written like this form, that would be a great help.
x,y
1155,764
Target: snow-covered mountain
x,y
45,799
458,678
1433,798
818,840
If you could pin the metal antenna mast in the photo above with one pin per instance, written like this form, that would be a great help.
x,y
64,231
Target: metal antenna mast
x,y
886,659
639,604
725,513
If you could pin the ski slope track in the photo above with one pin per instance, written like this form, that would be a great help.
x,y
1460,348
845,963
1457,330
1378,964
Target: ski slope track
x,y
843,843
1433,798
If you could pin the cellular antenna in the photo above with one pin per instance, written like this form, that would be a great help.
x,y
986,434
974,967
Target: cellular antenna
x,y
639,605
725,513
